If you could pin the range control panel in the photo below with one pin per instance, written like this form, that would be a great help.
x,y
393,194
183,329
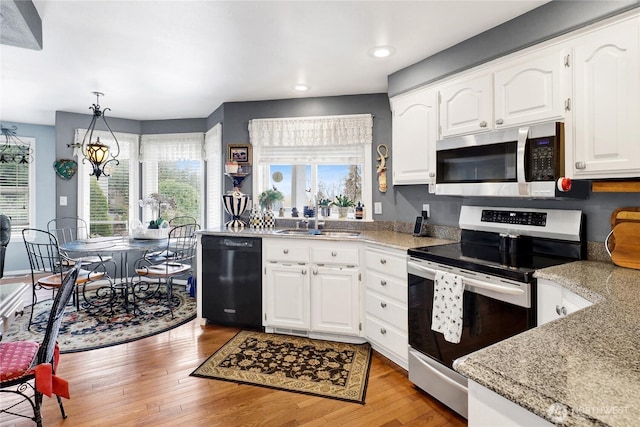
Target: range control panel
x,y
538,219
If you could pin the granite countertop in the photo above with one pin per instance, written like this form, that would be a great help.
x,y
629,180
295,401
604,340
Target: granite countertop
x,y
585,366
391,239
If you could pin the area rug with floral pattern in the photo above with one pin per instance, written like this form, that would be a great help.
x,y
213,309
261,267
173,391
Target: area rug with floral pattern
x,y
87,329
322,368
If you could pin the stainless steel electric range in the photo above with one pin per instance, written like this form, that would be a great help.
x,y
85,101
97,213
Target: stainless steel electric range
x,y
499,250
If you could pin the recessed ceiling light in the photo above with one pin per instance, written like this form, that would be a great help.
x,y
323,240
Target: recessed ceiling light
x,y
301,87
382,51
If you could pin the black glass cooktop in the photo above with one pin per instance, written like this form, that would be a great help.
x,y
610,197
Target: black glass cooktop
x,y
486,259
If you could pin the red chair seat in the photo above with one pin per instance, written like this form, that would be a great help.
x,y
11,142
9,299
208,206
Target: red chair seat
x,y
17,358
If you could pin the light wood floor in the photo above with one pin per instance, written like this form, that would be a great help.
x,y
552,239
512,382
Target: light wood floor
x,y
147,383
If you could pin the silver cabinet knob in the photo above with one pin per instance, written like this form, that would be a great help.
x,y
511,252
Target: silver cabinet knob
x,y
315,272
581,165
383,304
383,282
561,310
286,251
483,124
558,310
383,261
304,272
432,174
499,121
383,331
334,253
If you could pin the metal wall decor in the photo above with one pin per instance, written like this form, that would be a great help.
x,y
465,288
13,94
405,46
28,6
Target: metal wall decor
x,y
65,168
14,150
95,152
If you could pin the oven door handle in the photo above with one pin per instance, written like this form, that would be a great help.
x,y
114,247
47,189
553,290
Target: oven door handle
x,y
473,282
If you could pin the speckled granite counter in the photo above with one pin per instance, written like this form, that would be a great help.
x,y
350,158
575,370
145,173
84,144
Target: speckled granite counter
x,y
391,239
588,361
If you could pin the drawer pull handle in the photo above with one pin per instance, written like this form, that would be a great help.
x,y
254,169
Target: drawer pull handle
x,y
334,253
383,304
383,331
383,282
286,251
561,311
383,261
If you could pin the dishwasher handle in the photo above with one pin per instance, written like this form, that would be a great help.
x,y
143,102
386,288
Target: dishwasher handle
x,y
237,243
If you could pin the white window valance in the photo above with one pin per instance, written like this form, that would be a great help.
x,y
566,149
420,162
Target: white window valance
x,y
171,147
312,131
131,140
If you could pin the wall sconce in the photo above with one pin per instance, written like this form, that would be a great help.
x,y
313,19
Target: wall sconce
x,y
14,150
97,153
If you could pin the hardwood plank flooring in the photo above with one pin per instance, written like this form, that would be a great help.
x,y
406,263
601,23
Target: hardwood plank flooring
x,y
147,383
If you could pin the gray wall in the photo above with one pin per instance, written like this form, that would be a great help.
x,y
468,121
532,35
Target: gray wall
x,y
540,24
46,180
237,115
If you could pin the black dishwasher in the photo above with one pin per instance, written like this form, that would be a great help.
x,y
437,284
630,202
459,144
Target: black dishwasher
x,y
232,281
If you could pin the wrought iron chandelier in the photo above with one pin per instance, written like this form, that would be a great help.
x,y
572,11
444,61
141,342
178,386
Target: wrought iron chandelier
x,y
97,153
14,150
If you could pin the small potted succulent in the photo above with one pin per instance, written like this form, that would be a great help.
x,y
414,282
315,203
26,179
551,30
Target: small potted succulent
x,y
343,203
325,207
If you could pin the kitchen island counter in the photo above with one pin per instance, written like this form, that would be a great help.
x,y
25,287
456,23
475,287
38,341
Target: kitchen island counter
x,y
579,370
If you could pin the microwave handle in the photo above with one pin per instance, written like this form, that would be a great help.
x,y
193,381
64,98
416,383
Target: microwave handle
x,y
523,134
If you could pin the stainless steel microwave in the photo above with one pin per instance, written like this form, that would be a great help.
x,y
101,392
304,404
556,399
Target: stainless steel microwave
x,y
524,161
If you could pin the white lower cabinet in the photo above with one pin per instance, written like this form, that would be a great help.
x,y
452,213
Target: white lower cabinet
x,y
311,287
556,301
386,324
487,408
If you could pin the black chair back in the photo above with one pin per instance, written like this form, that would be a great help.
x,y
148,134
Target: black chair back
x,y
5,238
47,347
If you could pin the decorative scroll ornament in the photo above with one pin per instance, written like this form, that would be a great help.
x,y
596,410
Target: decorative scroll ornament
x,y
381,169
66,168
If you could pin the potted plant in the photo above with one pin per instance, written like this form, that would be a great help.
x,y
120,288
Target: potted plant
x,y
343,203
268,197
325,207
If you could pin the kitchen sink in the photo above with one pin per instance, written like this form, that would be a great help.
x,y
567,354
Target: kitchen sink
x,y
328,233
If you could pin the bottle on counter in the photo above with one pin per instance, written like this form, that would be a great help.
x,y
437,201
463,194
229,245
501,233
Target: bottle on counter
x,y
359,211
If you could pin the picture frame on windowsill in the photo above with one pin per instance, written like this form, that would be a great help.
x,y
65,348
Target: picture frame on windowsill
x,y
241,153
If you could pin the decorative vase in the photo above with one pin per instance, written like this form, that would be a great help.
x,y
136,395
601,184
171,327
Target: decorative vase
x,y
342,212
235,203
325,211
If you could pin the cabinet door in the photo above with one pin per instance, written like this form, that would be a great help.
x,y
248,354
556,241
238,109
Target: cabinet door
x,y
606,102
549,299
530,89
466,106
335,300
414,134
287,296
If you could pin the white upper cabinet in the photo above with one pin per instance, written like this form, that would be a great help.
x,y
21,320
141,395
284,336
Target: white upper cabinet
x,y
529,89
415,131
466,106
606,102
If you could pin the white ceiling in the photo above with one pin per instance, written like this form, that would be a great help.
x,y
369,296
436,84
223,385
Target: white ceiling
x,y
183,59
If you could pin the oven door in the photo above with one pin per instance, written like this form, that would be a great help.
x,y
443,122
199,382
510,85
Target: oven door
x,y
494,309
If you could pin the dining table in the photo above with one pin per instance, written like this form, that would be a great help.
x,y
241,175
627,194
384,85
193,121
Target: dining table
x,y
126,248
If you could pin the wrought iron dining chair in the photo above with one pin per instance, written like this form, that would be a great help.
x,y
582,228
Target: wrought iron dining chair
x,y
182,220
27,362
48,266
70,228
152,273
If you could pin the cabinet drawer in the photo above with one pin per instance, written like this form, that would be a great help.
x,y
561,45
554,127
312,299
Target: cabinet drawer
x,y
391,265
388,286
335,255
387,310
286,250
387,337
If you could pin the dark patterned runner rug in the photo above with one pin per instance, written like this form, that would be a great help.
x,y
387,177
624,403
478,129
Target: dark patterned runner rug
x,y
89,329
322,368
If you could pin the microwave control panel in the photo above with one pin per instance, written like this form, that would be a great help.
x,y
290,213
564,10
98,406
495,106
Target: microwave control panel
x,y
542,159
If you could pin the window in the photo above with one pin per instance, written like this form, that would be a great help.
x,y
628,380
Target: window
x,y
17,195
315,157
107,202
172,165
